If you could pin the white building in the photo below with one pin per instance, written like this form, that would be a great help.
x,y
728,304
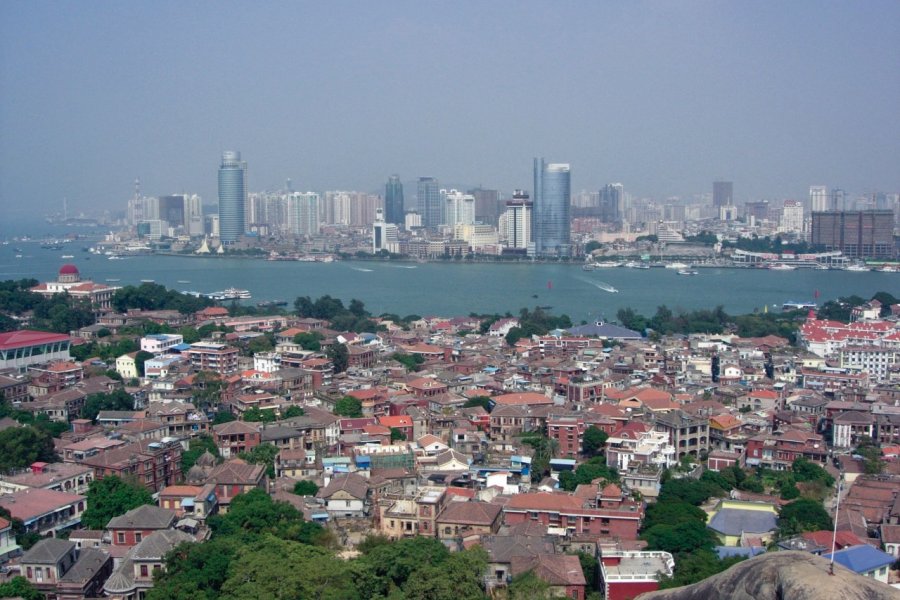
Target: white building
x,y
159,343
818,198
792,216
303,213
459,208
515,223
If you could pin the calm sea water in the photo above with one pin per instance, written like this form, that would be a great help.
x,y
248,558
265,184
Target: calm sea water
x,y
458,289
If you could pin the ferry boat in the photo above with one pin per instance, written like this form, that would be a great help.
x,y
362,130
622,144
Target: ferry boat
x,y
606,264
67,256
781,267
687,272
678,266
588,267
608,288
231,294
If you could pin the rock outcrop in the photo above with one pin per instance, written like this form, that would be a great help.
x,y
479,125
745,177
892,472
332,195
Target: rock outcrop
x,y
781,576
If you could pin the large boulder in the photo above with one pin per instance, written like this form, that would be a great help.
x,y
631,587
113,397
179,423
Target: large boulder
x,y
781,576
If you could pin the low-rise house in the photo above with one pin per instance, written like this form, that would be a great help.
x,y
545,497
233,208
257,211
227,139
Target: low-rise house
x,y
734,519
864,560
295,463
46,562
461,519
235,477
346,495
625,574
45,512
86,577
8,546
138,523
134,574
565,514
155,464
197,502
60,477
235,437
561,571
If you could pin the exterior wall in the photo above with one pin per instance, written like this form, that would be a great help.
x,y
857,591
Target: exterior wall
x,y
629,590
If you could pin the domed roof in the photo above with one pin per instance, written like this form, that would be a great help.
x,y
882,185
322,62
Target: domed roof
x,y
68,270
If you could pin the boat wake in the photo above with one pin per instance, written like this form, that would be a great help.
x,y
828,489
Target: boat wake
x,y
361,270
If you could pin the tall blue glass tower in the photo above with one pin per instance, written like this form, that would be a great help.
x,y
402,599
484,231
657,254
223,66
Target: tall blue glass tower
x,y
551,228
393,201
232,197
429,196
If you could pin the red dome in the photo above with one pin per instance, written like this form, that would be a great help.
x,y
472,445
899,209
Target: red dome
x,y
68,270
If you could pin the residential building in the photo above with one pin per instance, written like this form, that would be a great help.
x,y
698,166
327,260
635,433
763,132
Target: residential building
x,y
235,437
221,359
133,576
857,233
235,477
45,512
689,434
864,560
22,348
625,574
138,523
156,464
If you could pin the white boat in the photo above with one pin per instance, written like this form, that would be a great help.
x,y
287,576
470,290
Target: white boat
x,y
588,267
856,268
231,294
607,264
781,267
113,280
183,281
889,269
678,266
67,256
147,281
687,272
608,288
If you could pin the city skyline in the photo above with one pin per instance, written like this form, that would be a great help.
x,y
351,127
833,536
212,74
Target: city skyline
x,y
665,99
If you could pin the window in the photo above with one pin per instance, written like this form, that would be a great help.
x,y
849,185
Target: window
x,y
120,538
38,574
144,571
137,537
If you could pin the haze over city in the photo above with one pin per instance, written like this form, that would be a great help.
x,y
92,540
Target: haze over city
x,y
663,97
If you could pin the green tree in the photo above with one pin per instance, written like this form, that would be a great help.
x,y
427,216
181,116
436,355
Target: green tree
x,y
257,415
691,567
528,586
309,340
259,571
115,400
687,536
263,454
803,515
806,470
672,513
255,513
139,359
594,440
110,497
195,571
21,446
293,411
339,356
397,435
19,587
306,488
588,471
348,406
412,362
482,401
196,448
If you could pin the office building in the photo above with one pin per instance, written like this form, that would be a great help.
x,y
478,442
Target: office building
x,y
723,193
516,221
550,224
488,205
839,199
232,197
756,211
856,233
792,216
612,203
818,198
393,200
459,208
429,202
172,210
385,236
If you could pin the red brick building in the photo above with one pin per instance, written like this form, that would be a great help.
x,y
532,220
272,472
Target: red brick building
x,y
568,513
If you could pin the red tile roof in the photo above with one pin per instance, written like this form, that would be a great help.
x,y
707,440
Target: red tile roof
x,y
27,337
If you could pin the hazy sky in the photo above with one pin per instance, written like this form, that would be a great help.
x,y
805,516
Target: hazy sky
x,y
662,96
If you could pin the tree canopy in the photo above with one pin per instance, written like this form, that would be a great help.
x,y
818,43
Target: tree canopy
x,y
21,446
802,515
348,406
110,497
115,400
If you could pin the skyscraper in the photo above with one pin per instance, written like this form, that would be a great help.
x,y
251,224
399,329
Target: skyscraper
x,y
612,203
429,200
551,229
723,193
232,196
393,200
818,198
516,221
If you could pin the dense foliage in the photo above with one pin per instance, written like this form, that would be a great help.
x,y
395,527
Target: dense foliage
x,y
19,587
110,497
348,406
588,471
412,362
115,400
803,515
264,549
21,446
153,296
196,448
536,322
354,317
